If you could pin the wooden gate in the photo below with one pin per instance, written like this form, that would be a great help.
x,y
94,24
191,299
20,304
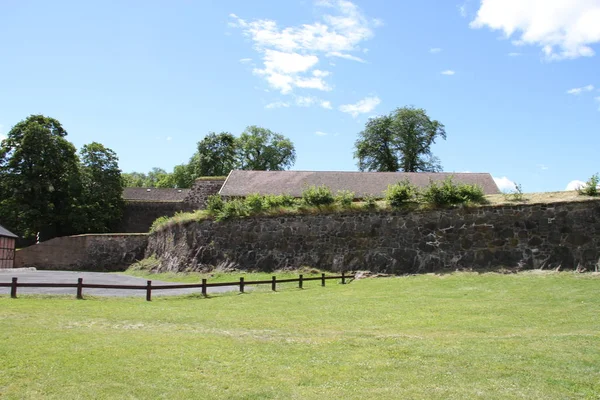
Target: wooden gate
x,y
7,252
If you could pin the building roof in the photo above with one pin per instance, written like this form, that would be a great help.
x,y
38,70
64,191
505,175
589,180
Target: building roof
x,y
154,194
243,183
6,233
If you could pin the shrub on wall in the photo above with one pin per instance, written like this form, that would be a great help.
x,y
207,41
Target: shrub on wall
x,y
400,193
281,200
449,192
344,198
255,203
591,187
369,202
214,204
318,196
236,208
158,222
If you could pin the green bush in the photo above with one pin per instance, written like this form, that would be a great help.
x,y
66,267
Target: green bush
x,y
344,198
449,192
317,196
235,208
214,204
369,202
282,200
255,203
400,193
158,222
591,187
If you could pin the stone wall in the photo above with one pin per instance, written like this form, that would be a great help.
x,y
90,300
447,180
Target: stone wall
x,y
105,252
482,238
201,189
138,216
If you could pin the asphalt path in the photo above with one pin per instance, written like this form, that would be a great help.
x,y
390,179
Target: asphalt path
x,y
30,276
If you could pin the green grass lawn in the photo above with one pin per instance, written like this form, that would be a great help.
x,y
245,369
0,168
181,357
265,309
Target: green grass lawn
x,y
458,336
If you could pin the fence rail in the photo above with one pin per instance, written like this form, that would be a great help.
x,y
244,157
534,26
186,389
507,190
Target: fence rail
x,y
148,287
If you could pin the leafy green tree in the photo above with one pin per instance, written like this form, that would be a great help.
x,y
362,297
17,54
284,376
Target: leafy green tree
x,y
102,188
261,149
399,141
134,179
40,182
216,156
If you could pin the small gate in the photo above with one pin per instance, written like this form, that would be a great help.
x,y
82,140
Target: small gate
x,y
7,252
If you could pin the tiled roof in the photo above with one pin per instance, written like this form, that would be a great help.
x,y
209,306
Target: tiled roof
x,y
154,194
6,233
243,183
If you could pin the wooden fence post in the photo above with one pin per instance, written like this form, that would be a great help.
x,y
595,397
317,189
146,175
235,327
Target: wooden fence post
x,y
241,285
80,288
343,278
274,283
13,288
322,279
149,291
204,287
300,282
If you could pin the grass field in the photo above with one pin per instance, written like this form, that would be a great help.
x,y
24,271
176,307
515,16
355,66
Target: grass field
x,y
490,336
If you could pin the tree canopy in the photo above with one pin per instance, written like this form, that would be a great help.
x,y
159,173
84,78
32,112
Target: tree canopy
x,y
218,153
102,188
44,187
260,149
400,141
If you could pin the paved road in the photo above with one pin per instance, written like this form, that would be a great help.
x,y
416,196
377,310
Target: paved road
x,y
27,276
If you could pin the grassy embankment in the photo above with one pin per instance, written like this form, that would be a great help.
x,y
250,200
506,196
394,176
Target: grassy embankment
x,y
382,205
422,337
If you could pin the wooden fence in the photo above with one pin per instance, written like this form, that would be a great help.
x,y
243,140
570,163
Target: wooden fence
x,y
15,284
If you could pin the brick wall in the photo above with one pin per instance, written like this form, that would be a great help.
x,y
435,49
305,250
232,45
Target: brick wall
x,y
103,252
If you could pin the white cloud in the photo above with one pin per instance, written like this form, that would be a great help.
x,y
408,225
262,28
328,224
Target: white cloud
x,y
562,28
312,83
364,106
319,133
448,72
462,9
245,60
320,74
505,184
435,50
307,101
326,104
580,90
543,167
346,56
574,185
169,138
290,53
277,104
514,54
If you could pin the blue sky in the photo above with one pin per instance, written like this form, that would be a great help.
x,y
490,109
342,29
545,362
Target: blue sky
x,y
515,82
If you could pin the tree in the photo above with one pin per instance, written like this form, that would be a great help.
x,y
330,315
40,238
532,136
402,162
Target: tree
x,y
40,181
216,155
263,150
134,179
399,141
102,188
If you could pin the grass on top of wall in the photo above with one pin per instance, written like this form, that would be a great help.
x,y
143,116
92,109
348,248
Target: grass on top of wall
x,y
457,336
374,205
